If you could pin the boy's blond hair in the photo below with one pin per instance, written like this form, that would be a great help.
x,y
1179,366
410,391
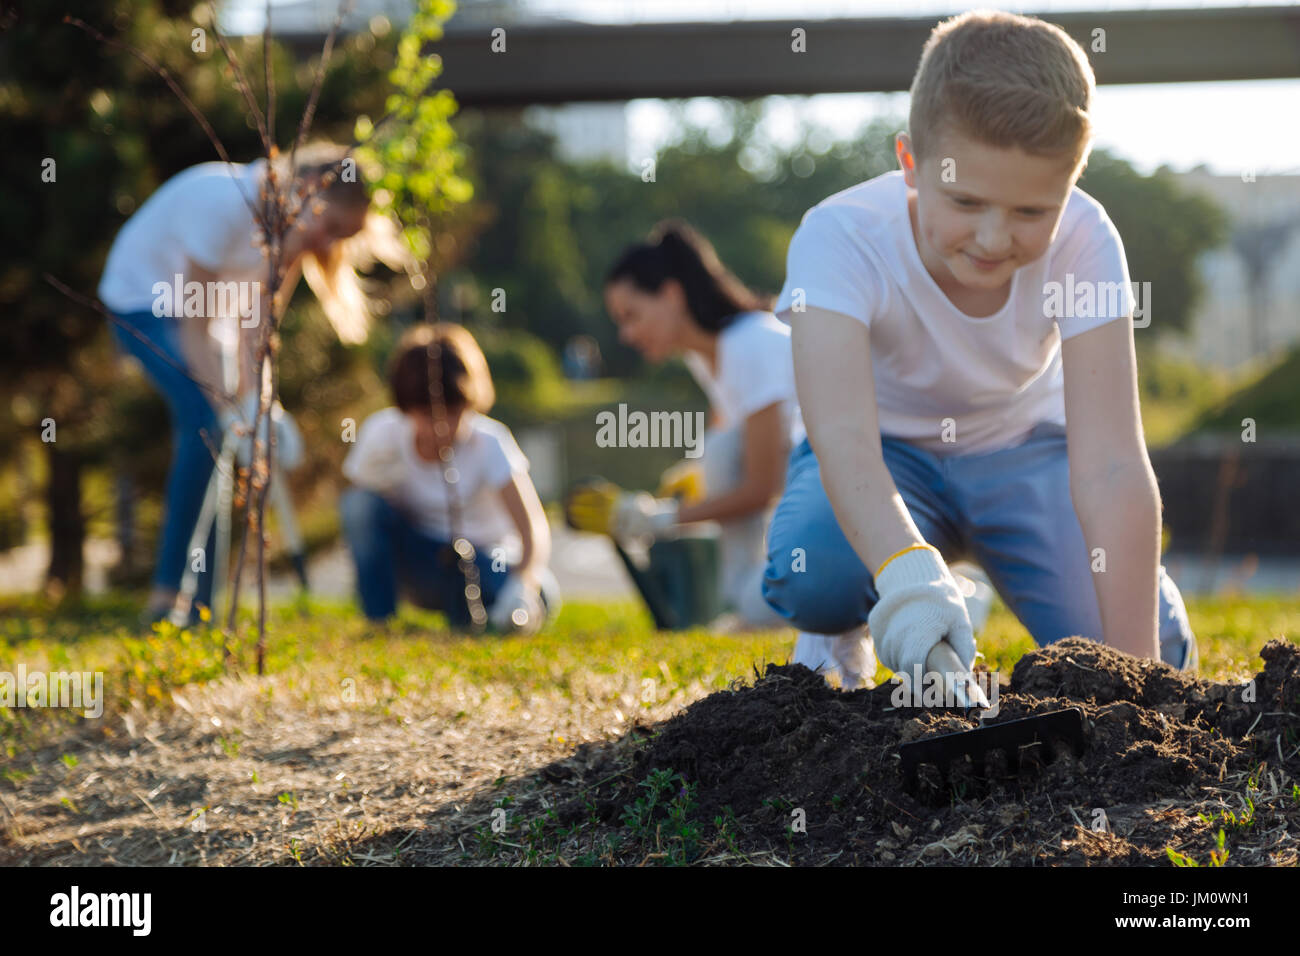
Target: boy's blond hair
x,y
1005,80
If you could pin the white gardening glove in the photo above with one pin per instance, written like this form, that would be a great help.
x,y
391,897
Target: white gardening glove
x,y
518,607
850,655
288,440
641,515
920,608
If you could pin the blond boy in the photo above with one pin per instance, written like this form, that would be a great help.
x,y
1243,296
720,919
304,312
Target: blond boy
x,y
937,376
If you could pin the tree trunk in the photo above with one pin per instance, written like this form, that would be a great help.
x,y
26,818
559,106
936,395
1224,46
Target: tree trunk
x,y
67,524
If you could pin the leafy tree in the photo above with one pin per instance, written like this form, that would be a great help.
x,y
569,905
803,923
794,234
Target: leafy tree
x,y
90,132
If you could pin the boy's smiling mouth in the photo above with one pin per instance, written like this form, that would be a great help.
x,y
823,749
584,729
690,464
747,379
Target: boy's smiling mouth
x,y
986,264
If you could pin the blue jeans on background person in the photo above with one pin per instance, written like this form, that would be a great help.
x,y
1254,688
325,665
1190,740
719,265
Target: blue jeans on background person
x,y
392,555
193,461
1009,510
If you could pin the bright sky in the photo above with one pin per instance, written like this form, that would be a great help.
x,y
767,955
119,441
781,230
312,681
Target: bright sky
x,y
1229,126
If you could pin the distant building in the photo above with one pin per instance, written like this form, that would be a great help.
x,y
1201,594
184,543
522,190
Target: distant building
x,y
1251,305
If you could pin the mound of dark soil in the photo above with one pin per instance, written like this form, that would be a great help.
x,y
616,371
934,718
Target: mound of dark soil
x,y
792,768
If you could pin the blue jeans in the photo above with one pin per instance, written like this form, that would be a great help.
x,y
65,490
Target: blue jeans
x,y
192,417
1009,510
390,552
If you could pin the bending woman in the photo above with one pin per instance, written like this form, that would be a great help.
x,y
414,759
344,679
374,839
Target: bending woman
x,y
199,226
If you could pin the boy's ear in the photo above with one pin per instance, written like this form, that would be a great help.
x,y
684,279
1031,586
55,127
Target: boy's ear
x,y
906,158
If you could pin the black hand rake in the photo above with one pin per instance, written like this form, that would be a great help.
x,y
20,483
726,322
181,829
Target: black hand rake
x,y
1011,737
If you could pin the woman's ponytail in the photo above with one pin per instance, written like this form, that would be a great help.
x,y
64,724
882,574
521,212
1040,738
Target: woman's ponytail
x,y
674,250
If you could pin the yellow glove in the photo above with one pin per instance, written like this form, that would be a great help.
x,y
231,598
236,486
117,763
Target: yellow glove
x,y
683,481
604,508
590,506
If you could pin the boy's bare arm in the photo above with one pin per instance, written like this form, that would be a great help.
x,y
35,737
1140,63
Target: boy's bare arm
x,y
529,517
837,393
1112,484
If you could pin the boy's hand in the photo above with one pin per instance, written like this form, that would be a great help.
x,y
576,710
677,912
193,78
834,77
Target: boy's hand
x,y
920,606
604,508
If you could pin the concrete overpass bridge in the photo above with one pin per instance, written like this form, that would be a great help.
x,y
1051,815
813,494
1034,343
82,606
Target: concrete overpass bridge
x,y
552,62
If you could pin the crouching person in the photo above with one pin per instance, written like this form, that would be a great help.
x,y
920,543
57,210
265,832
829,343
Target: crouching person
x,y
415,483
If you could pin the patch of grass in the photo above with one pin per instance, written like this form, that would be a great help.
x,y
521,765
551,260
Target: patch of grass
x,y
660,819
1238,823
325,654
1179,859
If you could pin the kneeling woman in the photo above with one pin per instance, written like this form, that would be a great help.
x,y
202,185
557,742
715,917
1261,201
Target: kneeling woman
x,y
673,297
417,484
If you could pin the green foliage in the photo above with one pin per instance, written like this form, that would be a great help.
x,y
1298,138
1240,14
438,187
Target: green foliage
x,y
1219,855
115,132
659,819
170,657
1175,393
1272,400
415,150
556,227
1231,820
523,368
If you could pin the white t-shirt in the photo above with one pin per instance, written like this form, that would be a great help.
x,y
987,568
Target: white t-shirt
x,y
201,215
755,369
995,377
385,460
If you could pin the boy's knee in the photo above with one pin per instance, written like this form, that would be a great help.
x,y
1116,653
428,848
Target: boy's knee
x,y
824,603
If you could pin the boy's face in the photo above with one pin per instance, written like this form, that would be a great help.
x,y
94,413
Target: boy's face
x,y
983,211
